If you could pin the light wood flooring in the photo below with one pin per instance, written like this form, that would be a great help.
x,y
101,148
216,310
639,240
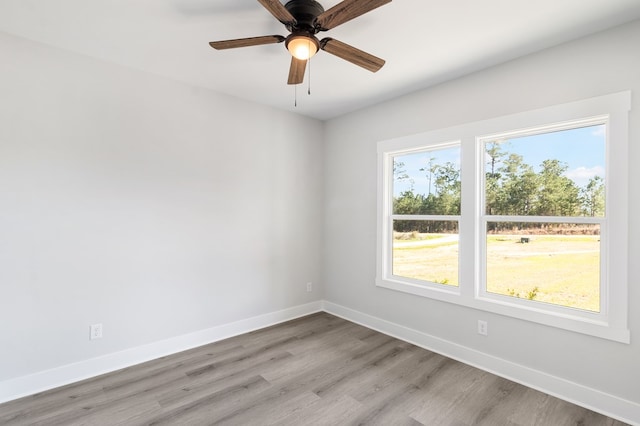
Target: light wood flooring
x,y
316,370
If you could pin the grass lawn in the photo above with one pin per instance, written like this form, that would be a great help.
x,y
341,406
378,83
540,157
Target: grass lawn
x,y
557,269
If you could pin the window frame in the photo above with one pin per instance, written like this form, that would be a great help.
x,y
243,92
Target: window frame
x,y
611,322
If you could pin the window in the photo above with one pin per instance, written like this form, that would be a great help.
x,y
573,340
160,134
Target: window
x,y
425,214
521,215
544,209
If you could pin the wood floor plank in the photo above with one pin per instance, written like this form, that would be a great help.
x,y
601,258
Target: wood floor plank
x,y
315,370
205,385
35,408
324,411
205,408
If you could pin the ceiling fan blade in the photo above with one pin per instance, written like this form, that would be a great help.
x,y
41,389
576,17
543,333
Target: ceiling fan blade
x,y
346,11
296,71
278,10
246,42
351,54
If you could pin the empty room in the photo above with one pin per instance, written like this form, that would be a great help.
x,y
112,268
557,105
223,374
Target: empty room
x,y
376,212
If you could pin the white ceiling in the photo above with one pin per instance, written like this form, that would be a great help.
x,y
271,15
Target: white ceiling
x,y
424,42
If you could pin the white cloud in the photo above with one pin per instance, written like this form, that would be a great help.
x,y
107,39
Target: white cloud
x,y
581,175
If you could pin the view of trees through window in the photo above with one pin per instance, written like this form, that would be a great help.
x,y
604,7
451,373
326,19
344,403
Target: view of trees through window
x,y
549,191
515,187
543,205
427,184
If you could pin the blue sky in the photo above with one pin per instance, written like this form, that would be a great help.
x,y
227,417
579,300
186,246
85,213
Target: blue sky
x,y
583,149
414,162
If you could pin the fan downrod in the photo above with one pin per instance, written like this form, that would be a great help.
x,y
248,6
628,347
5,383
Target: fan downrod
x,y
306,12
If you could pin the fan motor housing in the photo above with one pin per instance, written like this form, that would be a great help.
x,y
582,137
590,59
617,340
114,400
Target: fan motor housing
x,y
305,12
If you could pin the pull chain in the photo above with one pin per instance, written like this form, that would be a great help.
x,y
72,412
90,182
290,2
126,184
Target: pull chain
x,y
309,71
295,95
309,78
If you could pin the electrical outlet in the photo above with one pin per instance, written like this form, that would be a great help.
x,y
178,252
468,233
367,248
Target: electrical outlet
x,y
309,287
483,328
95,331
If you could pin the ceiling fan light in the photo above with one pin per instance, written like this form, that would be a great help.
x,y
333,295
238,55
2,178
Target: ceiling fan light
x,y
302,47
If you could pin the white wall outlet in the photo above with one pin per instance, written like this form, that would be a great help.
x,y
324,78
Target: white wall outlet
x,y
483,328
95,331
309,287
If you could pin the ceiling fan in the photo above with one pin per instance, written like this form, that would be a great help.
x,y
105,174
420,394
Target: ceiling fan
x,y
304,19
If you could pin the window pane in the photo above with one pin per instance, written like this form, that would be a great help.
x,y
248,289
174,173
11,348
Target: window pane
x,y
427,182
426,250
556,263
558,173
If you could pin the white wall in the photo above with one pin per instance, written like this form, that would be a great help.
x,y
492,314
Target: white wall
x,y
150,206
604,63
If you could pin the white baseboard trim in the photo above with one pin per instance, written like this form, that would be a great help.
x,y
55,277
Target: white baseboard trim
x,y
593,399
44,380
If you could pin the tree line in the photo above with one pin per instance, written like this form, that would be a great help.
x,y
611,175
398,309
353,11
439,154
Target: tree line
x,y
512,188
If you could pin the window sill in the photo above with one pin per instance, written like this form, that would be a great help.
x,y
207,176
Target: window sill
x,y
563,318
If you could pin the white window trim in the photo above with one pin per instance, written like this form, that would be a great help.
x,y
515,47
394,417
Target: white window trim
x,y
611,322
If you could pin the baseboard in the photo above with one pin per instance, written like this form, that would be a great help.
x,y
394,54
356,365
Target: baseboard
x,y
593,399
60,376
